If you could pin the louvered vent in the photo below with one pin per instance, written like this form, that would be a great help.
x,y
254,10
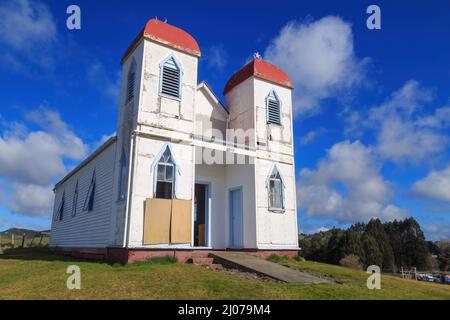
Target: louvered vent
x,y
170,83
273,109
130,82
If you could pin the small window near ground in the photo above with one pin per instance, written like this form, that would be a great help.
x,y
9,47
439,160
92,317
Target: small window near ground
x,y
75,201
89,202
273,108
165,170
275,186
171,78
61,207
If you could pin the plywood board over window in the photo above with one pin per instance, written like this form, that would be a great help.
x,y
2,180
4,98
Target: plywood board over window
x,y
181,221
157,221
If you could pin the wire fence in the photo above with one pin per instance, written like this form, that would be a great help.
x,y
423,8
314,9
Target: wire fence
x,y
23,241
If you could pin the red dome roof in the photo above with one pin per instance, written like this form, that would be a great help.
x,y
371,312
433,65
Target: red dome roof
x,y
259,69
167,34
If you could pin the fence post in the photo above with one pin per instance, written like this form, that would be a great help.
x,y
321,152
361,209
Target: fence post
x,y
23,241
40,240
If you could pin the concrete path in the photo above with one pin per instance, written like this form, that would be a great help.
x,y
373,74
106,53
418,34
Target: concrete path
x,y
273,270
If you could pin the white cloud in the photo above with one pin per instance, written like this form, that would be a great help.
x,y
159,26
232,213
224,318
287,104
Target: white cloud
x,y
39,156
27,27
100,79
31,199
436,185
436,232
401,141
216,57
439,120
102,140
404,132
347,186
24,24
311,136
319,56
30,161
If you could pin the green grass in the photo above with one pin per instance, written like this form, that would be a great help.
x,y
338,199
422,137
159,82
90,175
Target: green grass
x,y
38,274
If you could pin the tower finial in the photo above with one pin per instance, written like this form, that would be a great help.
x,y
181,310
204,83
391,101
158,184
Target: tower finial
x,y
257,56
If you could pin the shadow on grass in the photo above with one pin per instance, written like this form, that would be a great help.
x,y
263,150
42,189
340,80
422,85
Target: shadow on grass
x,y
37,253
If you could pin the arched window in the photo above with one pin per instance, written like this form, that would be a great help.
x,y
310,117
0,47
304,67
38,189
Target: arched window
x,y
165,176
123,176
273,108
131,80
275,187
61,206
170,78
89,202
75,201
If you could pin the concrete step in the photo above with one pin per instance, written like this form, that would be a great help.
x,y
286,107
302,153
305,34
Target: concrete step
x,y
200,254
250,263
202,260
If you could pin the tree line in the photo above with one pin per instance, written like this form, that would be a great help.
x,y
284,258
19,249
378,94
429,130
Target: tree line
x,y
390,245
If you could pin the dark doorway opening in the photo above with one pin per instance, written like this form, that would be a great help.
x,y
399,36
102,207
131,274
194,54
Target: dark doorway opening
x,y
200,219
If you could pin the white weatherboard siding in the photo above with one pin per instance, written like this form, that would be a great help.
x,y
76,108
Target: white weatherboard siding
x,y
210,117
86,229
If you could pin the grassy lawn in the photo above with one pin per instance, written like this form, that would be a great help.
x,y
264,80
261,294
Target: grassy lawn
x,y
38,274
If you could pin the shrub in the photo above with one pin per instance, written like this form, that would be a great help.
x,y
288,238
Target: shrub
x,y
351,261
277,259
299,259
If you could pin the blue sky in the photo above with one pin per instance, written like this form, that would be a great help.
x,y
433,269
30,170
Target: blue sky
x,y
372,107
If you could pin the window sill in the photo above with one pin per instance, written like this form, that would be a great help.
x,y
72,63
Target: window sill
x,y
169,97
277,210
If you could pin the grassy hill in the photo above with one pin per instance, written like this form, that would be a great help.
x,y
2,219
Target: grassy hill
x,y
39,274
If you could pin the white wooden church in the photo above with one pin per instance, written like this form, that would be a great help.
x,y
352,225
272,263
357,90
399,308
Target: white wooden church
x,y
184,172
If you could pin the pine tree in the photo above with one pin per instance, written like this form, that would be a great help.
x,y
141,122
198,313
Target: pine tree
x,y
376,230
372,253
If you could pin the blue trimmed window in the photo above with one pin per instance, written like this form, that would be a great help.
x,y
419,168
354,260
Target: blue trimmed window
x,y
165,176
89,202
275,186
273,108
171,78
75,201
61,207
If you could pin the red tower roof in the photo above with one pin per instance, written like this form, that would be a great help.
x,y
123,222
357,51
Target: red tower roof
x,y
167,34
259,69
